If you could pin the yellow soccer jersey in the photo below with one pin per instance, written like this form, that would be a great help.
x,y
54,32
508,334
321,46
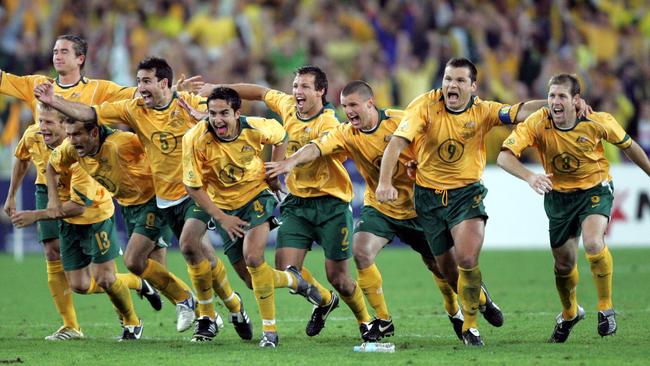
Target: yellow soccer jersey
x,y
574,156
32,146
77,186
451,145
160,131
323,176
232,172
366,148
120,166
86,91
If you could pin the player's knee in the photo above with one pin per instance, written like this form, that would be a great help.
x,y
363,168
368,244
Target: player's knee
x,y
189,252
563,267
362,258
594,245
135,265
253,260
467,262
52,251
105,280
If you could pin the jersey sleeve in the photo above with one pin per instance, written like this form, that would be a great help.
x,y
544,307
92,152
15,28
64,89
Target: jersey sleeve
x,y
22,149
271,131
62,158
191,163
522,137
499,113
414,120
280,103
114,113
112,92
82,188
21,87
614,133
195,101
332,142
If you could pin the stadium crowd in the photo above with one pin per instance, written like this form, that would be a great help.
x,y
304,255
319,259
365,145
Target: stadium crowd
x,y
398,46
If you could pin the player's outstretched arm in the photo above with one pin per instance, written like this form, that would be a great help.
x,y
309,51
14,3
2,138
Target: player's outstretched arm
x,y
306,154
22,219
245,91
52,179
540,183
529,108
233,225
77,111
638,156
17,175
385,190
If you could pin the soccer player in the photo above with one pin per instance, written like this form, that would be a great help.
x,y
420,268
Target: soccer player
x,y
317,208
450,125
117,161
160,122
224,174
578,193
68,57
88,243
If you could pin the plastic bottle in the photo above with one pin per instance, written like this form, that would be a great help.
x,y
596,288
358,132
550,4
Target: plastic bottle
x,y
375,347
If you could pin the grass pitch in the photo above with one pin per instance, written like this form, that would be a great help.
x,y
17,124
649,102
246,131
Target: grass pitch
x,y
521,282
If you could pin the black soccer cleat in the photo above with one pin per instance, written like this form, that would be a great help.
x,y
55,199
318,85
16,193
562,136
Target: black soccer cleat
x,y
205,329
319,316
471,337
269,340
132,332
457,323
491,312
563,327
241,322
380,328
151,294
607,322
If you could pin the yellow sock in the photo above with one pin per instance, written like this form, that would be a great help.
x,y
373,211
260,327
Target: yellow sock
x,y
358,305
283,279
201,277
566,287
130,280
602,267
325,294
262,278
369,280
94,288
61,294
221,286
121,299
162,280
469,291
449,297
482,299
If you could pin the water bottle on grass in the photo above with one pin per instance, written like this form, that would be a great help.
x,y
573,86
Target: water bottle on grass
x,y
375,347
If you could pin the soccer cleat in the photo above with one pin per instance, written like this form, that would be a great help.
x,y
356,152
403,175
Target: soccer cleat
x,y
491,312
132,332
269,339
457,322
304,288
380,328
205,329
471,337
563,327
185,313
151,294
364,329
607,322
241,322
319,315
65,333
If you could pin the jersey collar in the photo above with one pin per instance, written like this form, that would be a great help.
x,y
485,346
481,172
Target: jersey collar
x,y
322,110
81,80
382,116
468,106
174,96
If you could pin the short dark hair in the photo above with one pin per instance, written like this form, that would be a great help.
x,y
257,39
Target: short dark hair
x,y
562,79
320,78
464,62
358,86
88,125
228,94
80,46
161,67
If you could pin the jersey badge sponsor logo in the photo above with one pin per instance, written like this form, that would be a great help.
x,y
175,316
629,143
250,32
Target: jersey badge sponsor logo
x,y
404,125
247,154
509,141
75,95
469,130
584,144
595,201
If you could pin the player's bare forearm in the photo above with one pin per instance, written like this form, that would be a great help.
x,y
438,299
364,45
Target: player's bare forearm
x,y
529,108
203,200
390,158
52,178
278,152
17,175
638,156
509,162
249,91
74,110
306,154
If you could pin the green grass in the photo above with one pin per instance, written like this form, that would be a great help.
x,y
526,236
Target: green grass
x,y
521,282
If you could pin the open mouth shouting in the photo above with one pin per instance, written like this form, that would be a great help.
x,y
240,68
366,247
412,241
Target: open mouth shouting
x,y
453,97
147,97
354,119
300,102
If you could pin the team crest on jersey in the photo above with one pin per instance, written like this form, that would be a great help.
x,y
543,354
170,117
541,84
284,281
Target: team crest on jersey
x,y
509,141
469,130
404,126
75,95
584,144
247,154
